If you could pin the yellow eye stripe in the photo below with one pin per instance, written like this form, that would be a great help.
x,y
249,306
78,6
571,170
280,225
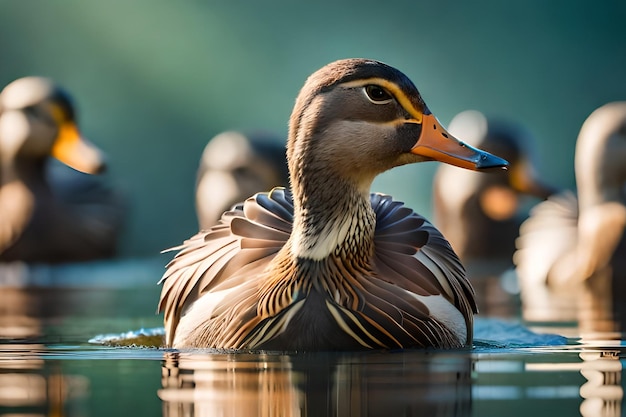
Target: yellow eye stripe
x,y
394,90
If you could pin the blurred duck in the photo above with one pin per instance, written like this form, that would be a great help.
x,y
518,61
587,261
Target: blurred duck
x,y
480,215
327,265
233,167
51,213
571,258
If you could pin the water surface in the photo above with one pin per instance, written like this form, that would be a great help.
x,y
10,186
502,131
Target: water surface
x,y
53,361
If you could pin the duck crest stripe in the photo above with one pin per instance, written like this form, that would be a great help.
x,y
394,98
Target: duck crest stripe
x,y
394,89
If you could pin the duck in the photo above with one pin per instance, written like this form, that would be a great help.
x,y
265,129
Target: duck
x,y
326,265
234,165
52,213
480,215
571,252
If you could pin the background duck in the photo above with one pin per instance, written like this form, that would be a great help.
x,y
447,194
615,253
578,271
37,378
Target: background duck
x,y
233,167
51,213
327,265
571,257
480,215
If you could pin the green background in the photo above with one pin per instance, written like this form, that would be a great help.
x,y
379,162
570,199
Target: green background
x,y
155,80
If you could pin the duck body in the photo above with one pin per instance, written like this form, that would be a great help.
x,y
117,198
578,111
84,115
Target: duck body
x,y
235,166
75,217
572,250
317,293
51,213
327,265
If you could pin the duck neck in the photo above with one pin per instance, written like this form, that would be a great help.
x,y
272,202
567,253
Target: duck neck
x,y
597,181
332,219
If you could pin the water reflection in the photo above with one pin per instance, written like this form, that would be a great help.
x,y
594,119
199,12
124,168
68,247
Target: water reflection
x,y
43,309
48,368
374,384
30,385
20,313
603,392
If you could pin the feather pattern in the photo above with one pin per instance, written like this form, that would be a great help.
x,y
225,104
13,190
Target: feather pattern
x,y
385,307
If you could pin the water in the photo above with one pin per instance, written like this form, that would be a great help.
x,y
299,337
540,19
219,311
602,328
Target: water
x,y
54,361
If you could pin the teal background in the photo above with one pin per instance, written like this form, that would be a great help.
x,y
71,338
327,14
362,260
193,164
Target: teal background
x,y
155,80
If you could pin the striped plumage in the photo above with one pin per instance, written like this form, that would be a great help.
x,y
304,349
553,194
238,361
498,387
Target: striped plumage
x,y
327,265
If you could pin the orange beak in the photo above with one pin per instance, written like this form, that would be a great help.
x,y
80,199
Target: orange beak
x,y
76,152
437,144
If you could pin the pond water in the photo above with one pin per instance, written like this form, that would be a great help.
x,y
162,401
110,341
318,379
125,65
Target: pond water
x,y
54,362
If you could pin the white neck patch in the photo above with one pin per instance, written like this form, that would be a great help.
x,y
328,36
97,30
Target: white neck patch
x,y
321,246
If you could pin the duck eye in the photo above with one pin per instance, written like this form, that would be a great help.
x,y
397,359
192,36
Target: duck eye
x,y
377,94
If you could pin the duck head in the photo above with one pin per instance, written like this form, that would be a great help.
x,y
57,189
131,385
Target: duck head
x,y
235,165
357,118
37,119
512,141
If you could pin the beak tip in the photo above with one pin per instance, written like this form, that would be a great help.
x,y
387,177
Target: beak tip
x,y
489,161
101,169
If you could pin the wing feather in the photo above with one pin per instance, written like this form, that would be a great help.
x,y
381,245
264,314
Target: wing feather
x,y
236,249
412,254
411,260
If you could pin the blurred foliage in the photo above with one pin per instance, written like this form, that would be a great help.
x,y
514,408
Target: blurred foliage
x,y
155,79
